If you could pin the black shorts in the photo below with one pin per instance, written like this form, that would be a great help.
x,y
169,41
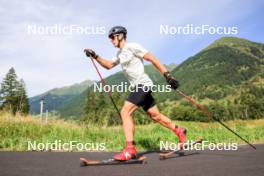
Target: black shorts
x,y
142,98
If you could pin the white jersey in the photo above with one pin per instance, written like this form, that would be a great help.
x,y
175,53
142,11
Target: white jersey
x,y
131,59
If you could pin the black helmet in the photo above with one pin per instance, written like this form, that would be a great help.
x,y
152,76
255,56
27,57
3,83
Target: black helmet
x,y
117,30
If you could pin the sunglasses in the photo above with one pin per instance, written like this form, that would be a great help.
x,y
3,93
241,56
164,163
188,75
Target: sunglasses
x,y
112,37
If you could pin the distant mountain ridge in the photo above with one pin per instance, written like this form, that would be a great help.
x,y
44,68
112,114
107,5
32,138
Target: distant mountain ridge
x,y
227,62
56,97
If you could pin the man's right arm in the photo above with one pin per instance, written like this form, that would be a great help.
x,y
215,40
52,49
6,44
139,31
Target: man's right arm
x,y
108,64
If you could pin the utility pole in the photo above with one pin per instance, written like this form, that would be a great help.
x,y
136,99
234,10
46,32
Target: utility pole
x,y
47,114
41,107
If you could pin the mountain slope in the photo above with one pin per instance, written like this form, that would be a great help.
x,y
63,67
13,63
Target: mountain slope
x,y
56,97
226,63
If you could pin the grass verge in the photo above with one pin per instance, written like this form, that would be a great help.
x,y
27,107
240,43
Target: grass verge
x,y
16,131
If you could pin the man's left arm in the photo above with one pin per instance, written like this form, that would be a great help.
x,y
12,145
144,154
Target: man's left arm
x,y
163,70
151,58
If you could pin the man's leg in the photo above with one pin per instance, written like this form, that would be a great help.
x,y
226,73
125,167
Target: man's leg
x,y
127,120
155,114
129,128
166,122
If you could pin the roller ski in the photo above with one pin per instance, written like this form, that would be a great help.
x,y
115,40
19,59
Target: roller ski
x,y
111,161
127,156
163,156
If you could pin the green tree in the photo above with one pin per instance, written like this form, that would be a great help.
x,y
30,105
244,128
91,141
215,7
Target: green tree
x,y
90,107
8,91
22,98
113,117
252,102
13,96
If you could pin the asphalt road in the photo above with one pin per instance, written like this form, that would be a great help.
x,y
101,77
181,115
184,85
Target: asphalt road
x,y
244,161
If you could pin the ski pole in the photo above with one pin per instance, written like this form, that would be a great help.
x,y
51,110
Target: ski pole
x,y
210,115
103,81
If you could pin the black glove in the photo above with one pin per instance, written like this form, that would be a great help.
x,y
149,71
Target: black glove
x,y
90,53
171,80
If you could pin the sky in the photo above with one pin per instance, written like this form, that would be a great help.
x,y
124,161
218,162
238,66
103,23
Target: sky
x,y
46,60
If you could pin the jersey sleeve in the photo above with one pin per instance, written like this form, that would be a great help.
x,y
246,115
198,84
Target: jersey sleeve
x,y
138,50
116,60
